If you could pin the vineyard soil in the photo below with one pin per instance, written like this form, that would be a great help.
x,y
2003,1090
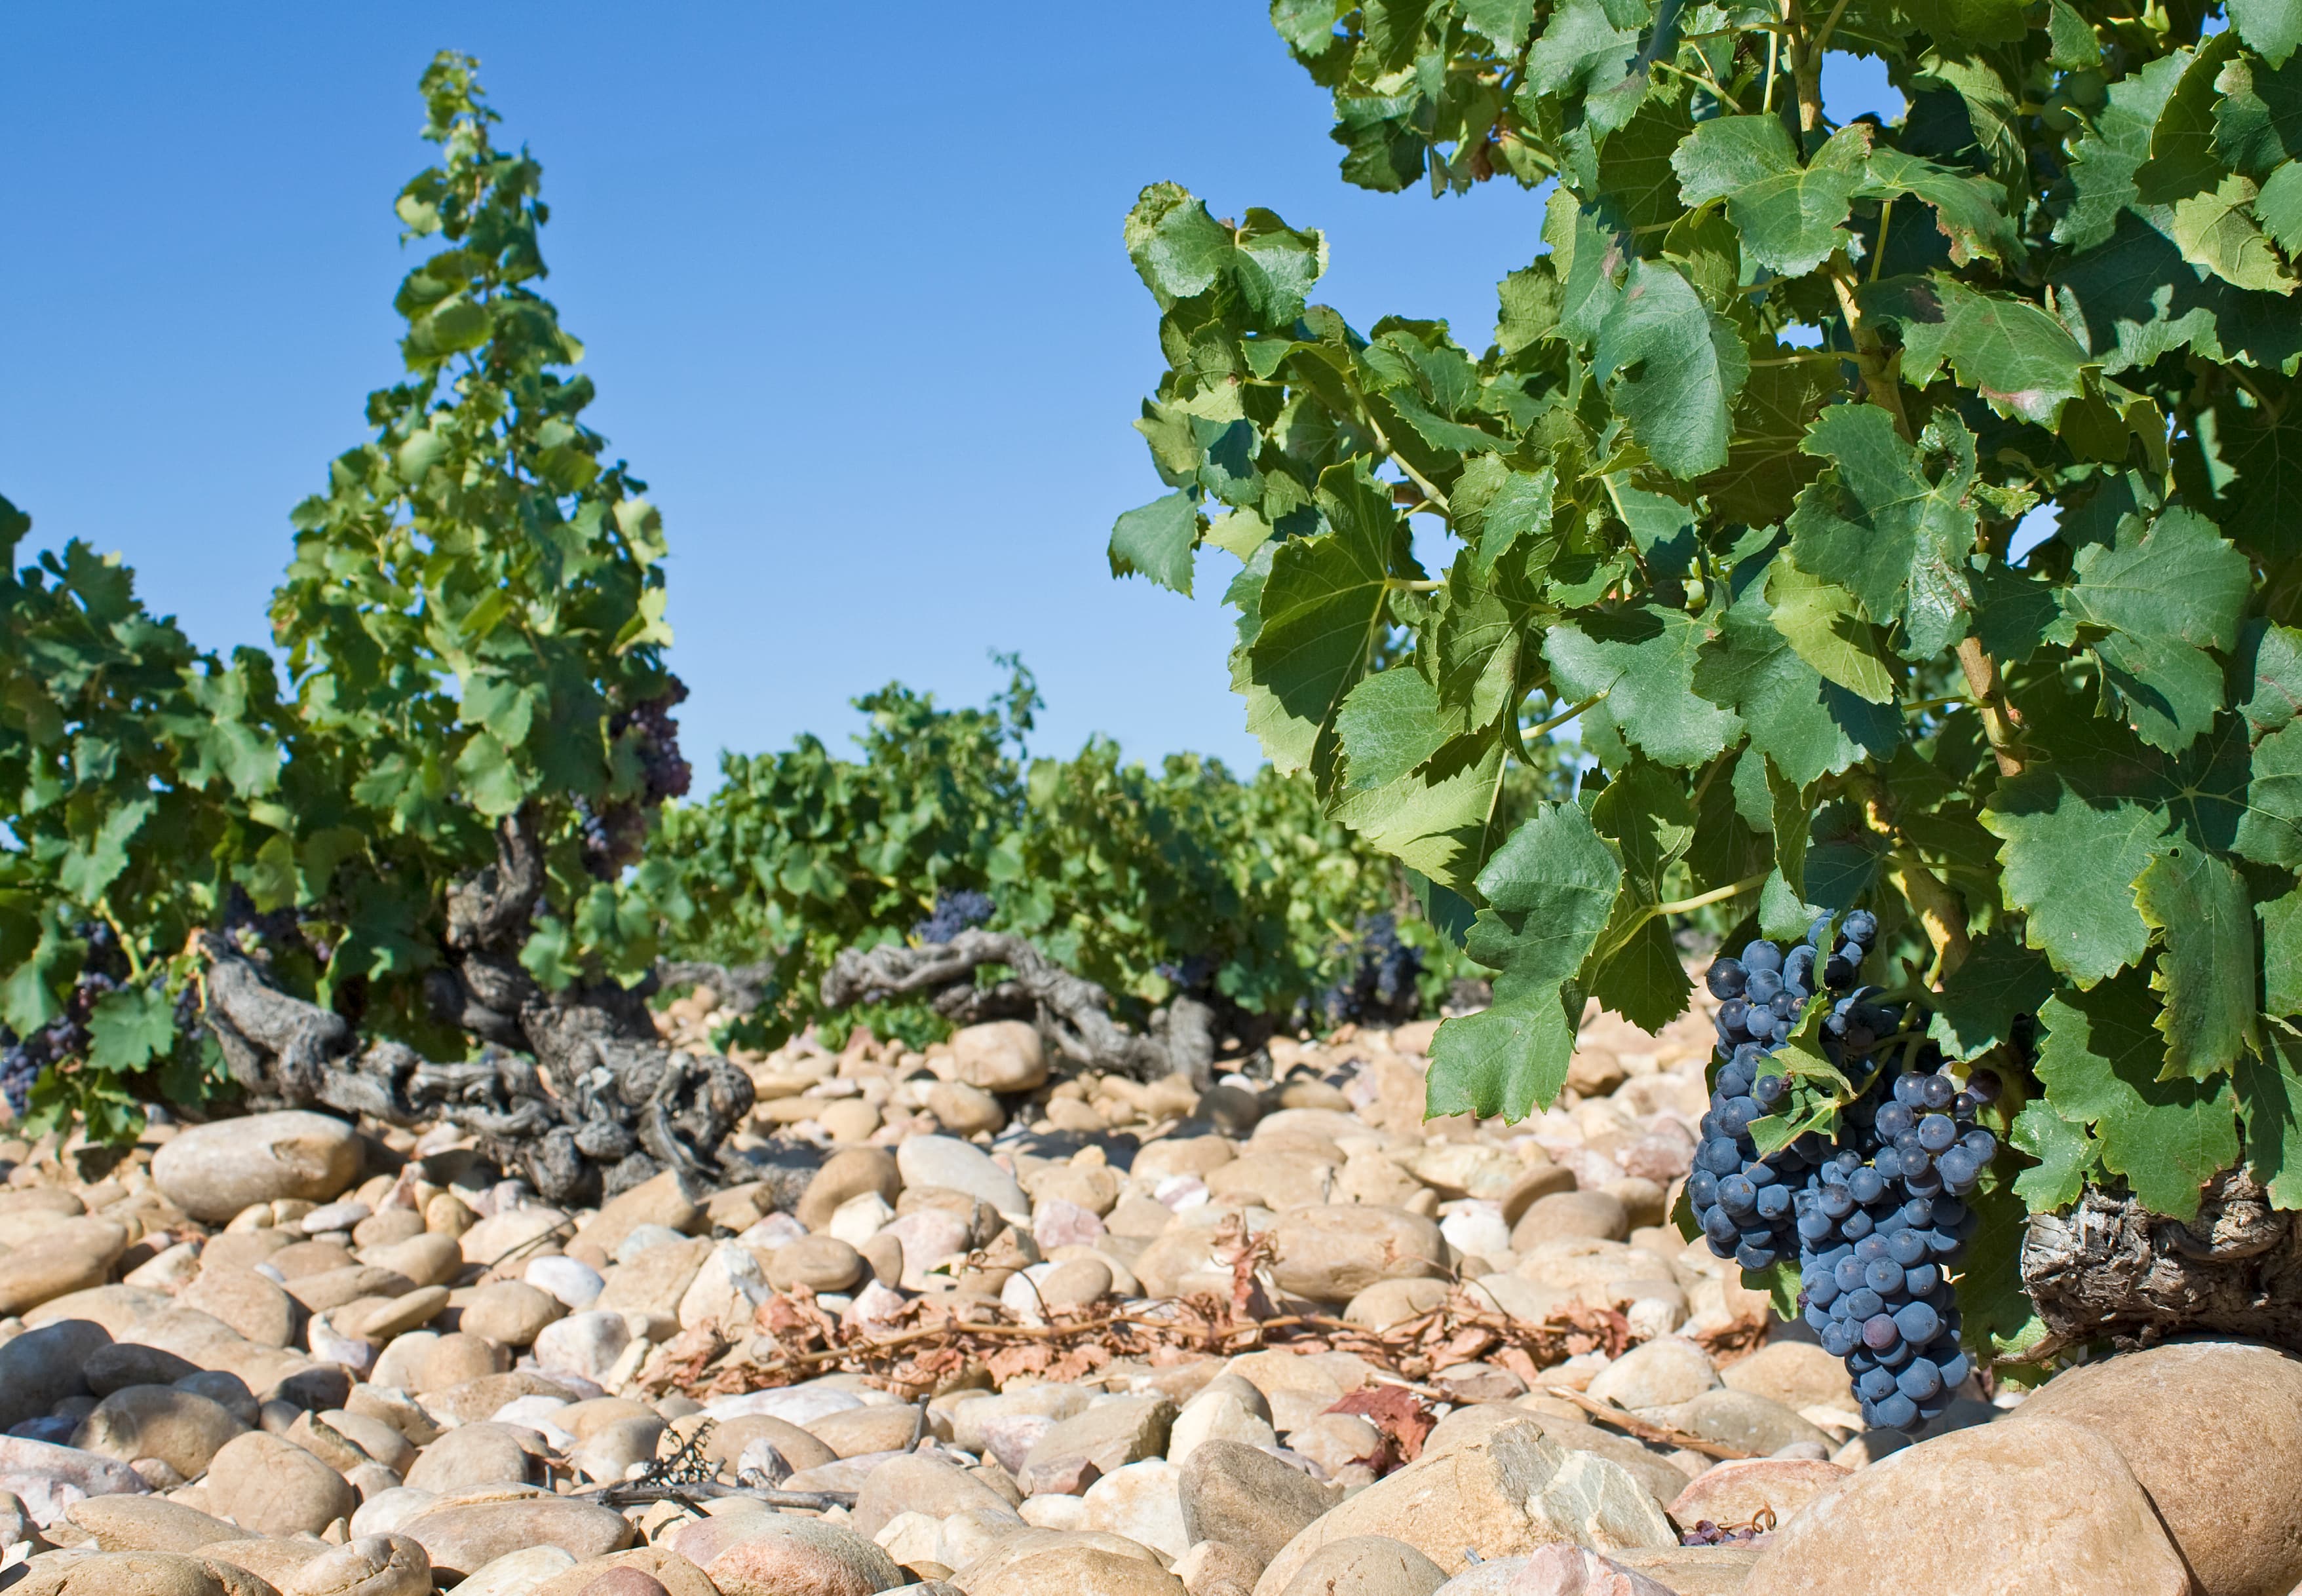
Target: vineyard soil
x,y
1247,1332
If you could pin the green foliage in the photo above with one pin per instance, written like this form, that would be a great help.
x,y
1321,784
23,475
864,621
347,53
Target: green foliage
x,y
1148,882
473,627
1738,477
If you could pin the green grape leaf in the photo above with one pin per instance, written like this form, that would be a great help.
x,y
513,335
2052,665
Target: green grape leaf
x,y
1583,49
1320,612
2268,667
94,861
1497,508
2100,1060
1433,821
1790,217
2015,615
2270,827
1549,890
2205,969
1999,1314
2182,158
1825,626
1642,660
1765,467
1180,252
1504,23
1156,541
2162,596
2064,1154
2070,865
1674,366
2015,354
130,1028
2105,157
1968,211
1955,24
1876,523
1999,979
2281,921
2279,206
2272,29
2270,1102
2258,117
2217,229
1809,726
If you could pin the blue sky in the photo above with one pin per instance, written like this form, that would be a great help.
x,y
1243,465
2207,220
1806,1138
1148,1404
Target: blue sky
x,y
851,283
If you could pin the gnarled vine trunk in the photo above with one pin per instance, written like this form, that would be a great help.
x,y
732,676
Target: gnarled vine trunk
x,y
2110,1269
575,1089
1071,1012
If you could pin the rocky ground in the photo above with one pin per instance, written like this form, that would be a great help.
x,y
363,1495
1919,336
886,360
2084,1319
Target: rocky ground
x,y
1017,1337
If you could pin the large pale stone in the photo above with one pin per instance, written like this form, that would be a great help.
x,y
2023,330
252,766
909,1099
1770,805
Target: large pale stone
x,y
1365,1565
1003,1055
1660,1373
658,1200
149,1523
772,1554
2044,1507
1798,1375
2213,1430
182,1429
948,1162
1509,1493
1332,1254
264,1483
466,1532
214,1171
49,1479
1244,1497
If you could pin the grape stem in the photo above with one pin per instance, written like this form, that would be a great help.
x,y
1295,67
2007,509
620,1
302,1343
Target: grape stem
x,y
1717,895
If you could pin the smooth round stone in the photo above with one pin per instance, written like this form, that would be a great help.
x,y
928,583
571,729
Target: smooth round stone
x,y
125,1574
214,1171
586,1344
334,1216
570,1280
264,1483
463,1534
370,1565
509,1313
516,1573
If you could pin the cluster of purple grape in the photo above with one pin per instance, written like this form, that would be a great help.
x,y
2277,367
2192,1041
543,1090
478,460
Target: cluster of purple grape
x,y
667,774
23,1058
1380,985
954,911
1743,1200
612,837
1874,1215
1879,1225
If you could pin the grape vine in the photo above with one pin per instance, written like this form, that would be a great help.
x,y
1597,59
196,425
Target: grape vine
x,y
1903,510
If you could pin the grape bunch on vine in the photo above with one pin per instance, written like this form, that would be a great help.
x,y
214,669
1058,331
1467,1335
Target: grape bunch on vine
x,y
1905,509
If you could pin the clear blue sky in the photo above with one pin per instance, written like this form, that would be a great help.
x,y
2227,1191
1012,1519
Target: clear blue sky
x,y
851,283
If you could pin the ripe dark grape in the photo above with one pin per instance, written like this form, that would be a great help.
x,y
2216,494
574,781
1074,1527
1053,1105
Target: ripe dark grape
x,y
1379,982
954,911
1873,1216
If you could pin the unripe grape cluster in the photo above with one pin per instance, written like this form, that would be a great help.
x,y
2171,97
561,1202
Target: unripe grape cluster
x,y
1876,1214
